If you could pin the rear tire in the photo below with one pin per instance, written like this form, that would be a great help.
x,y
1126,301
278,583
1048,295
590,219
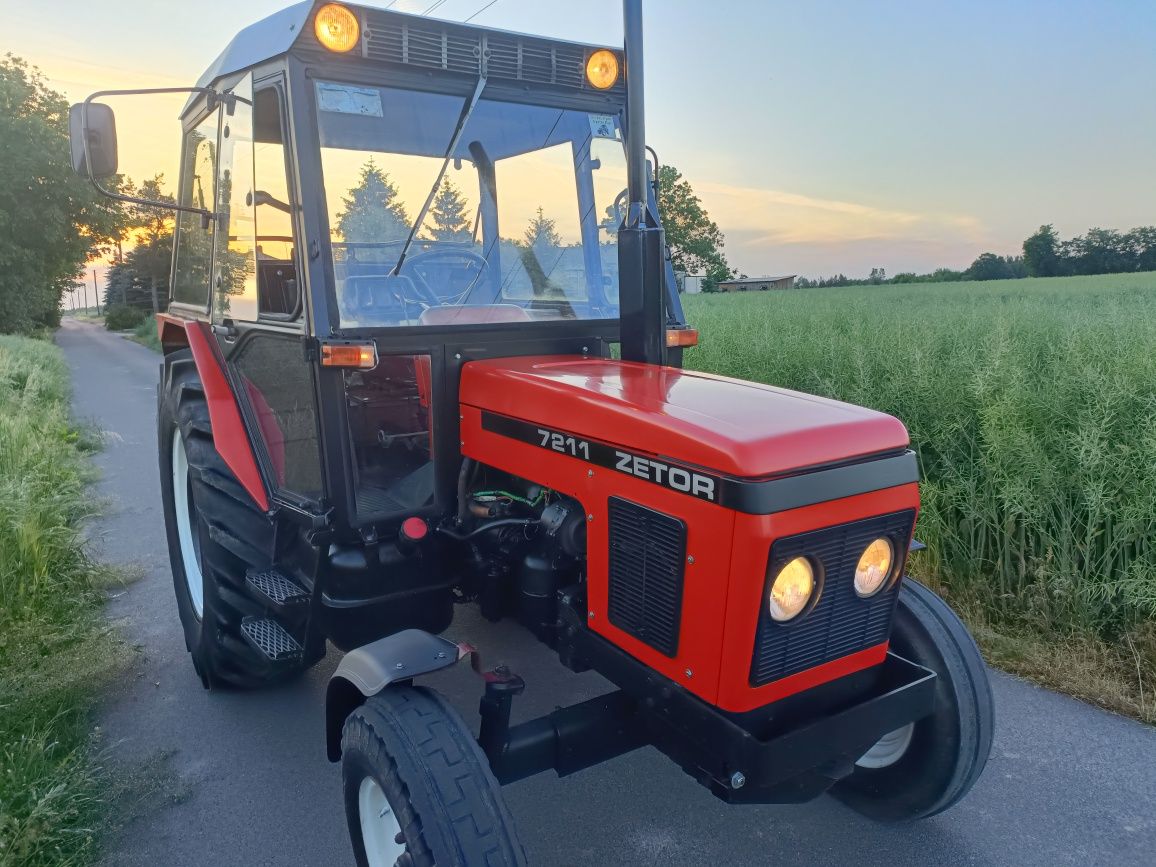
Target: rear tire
x,y
916,772
419,790
216,532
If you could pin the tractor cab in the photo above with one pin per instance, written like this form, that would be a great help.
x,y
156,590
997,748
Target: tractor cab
x,y
424,349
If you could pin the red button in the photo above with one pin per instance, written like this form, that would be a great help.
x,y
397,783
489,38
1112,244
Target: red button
x,y
414,529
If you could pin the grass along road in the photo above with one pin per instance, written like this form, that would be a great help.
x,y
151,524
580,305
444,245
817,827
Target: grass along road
x,y
1032,406
56,650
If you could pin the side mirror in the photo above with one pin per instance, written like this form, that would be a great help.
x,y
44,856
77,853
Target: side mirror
x,y
100,135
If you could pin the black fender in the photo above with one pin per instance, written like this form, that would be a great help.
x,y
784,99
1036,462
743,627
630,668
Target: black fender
x,y
369,669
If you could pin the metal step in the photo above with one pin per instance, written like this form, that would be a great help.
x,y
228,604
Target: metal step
x,y
269,638
281,591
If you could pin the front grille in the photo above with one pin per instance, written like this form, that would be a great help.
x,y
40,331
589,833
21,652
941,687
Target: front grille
x,y
647,560
840,623
430,44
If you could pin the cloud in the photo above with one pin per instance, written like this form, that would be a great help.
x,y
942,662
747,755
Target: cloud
x,y
781,217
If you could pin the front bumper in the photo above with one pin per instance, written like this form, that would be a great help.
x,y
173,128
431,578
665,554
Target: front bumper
x,y
762,756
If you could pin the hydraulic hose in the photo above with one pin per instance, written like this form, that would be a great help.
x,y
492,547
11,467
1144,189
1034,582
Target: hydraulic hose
x,y
485,528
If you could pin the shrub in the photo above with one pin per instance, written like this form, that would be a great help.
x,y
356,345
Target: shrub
x,y
119,317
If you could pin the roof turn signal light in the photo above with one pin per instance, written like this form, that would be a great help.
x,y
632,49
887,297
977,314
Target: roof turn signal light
x,y
336,27
360,355
602,69
681,337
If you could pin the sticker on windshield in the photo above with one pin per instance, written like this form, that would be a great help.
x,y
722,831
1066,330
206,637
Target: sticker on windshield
x,y
343,99
602,126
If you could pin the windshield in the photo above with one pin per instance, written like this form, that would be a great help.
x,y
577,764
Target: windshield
x,y
523,226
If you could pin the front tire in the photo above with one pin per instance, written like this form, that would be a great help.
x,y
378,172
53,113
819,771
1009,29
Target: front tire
x,y
419,790
216,533
927,767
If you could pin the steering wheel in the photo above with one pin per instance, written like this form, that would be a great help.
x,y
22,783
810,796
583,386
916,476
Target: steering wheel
x,y
430,297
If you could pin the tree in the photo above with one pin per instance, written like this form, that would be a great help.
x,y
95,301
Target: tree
x,y
541,246
51,220
1143,240
450,215
695,240
371,210
542,231
989,266
1041,253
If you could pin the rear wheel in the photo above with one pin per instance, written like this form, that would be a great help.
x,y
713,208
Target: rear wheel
x,y
418,789
216,533
927,766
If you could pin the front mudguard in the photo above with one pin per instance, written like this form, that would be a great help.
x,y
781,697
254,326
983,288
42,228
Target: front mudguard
x,y
369,669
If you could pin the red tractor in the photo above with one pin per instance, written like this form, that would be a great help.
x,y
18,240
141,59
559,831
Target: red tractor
x,y
406,251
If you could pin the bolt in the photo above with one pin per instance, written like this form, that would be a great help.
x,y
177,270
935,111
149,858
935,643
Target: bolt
x,y
590,615
738,780
585,349
690,559
400,666
458,356
463,443
589,518
690,672
590,474
441,654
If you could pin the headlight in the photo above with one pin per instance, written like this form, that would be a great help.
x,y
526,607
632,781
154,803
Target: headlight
x,y
874,567
791,590
602,69
336,27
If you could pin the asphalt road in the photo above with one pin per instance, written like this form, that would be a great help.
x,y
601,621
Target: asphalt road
x,y
1066,784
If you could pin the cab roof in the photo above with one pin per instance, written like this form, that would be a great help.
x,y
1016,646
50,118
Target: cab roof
x,y
414,41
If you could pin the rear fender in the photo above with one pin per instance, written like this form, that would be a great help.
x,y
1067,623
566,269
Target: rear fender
x,y
369,669
230,436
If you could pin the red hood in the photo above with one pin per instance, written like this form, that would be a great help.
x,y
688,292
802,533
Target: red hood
x,y
734,427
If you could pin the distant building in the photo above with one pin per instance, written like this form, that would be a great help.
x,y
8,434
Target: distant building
x,y
689,283
757,284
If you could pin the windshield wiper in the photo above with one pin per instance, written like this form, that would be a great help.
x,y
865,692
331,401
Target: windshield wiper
x,y
467,110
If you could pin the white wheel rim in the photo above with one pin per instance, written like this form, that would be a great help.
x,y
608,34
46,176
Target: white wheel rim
x,y
888,749
379,825
193,578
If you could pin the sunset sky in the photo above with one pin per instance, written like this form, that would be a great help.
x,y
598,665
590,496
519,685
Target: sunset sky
x,y
823,137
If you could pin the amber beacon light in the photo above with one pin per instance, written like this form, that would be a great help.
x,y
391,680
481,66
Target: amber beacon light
x,y
336,27
602,69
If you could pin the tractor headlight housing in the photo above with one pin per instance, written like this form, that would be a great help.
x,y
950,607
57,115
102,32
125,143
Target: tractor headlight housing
x,y
336,28
792,590
873,571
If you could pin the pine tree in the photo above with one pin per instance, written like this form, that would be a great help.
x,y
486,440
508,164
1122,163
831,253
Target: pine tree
x,y
372,212
542,231
449,215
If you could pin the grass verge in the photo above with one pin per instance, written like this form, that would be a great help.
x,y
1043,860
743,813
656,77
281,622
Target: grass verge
x,y
146,334
56,651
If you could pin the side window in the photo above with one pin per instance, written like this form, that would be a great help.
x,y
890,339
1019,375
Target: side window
x,y
256,273
194,258
236,272
278,292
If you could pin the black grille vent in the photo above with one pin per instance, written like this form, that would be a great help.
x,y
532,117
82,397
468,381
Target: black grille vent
x,y
841,623
433,45
647,558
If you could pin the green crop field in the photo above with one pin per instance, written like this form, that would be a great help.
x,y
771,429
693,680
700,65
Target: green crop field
x,y
1032,407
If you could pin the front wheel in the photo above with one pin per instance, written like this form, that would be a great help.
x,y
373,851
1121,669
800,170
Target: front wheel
x,y
927,766
418,789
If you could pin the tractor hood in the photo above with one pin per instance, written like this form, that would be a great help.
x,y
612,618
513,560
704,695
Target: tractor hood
x,y
736,428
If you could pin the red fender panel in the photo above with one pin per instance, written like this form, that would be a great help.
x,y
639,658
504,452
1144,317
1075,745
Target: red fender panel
x,y
229,434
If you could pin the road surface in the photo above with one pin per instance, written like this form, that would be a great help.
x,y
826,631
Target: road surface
x,y
1066,784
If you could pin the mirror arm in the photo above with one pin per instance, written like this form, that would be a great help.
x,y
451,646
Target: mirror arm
x,y
212,98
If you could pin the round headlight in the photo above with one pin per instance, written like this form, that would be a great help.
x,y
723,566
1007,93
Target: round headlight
x,y
336,27
874,567
791,590
602,69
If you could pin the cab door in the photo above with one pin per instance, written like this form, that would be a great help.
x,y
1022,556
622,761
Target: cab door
x,y
257,310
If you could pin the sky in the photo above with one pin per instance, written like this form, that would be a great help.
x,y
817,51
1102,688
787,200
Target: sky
x,y
823,137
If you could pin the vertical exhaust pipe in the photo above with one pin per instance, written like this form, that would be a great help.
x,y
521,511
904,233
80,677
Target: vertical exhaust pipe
x,y
641,245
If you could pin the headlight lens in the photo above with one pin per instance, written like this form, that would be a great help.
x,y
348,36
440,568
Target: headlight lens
x,y
602,69
336,27
874,567
792,589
